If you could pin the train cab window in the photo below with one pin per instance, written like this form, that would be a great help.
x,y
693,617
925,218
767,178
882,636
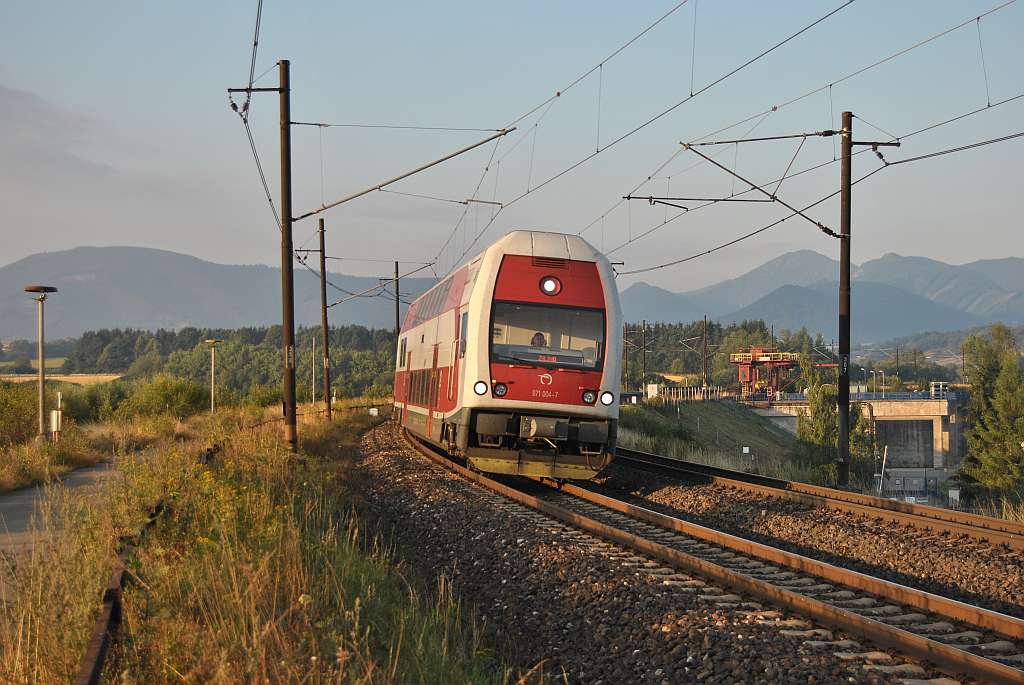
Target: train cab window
x,y
462,334
546,335
401,354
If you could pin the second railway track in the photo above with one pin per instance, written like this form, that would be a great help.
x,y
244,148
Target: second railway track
x,y
961,639
993,530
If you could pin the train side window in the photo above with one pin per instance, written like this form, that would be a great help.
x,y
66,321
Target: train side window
x,y
462,334
401,354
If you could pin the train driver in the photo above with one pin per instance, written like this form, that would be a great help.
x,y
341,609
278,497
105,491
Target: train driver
x,y
538,340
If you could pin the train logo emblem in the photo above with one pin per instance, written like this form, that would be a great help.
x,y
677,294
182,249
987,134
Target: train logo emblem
x,y
546,379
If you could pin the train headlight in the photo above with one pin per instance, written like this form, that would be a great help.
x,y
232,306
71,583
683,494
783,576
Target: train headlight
x,y
480,388
607,398
549,285
589,397
500,389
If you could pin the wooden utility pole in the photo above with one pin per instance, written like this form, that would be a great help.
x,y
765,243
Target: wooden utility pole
x,y
845,197
704,357
643,358
325,330
287,275
846,187
398,306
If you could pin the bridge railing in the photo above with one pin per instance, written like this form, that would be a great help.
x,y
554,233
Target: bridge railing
x,y
859,396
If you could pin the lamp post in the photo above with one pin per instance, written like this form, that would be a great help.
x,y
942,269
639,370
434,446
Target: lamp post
x,y
874,382
213,342
865,372
883,382
41,291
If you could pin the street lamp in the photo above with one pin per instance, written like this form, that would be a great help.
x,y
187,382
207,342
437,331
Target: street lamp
x,y
41,291
874,381
883,382
865,372
213,342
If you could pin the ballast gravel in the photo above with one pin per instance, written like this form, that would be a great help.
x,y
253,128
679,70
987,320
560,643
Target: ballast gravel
x,y
968,570
584,610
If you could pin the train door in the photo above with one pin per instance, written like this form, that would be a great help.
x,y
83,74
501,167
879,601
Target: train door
x,y
432,395
407,388
458,346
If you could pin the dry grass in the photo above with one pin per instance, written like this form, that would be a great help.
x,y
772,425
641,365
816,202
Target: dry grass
x,y
258,572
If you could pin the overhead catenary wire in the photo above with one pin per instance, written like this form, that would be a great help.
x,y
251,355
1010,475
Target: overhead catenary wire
x,y
918,158
826,87
383,282
402,127
632,239
857,72
664,113
984,68
594,68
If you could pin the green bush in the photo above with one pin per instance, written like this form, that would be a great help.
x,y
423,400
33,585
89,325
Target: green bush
x,y
261,395
164,394
91,403
18,413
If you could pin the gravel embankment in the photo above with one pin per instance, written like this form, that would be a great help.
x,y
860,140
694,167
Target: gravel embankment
x,y
962,568
548,594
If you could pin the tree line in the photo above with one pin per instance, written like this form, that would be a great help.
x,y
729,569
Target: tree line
x,y
248,359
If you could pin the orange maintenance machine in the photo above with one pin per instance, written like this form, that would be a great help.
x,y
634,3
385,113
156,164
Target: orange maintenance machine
x,y
763,369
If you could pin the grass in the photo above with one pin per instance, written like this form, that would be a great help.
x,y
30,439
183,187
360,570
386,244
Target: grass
x,y
257,572
42,462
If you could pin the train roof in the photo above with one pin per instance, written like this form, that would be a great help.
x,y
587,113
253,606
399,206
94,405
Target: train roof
x,y
547,244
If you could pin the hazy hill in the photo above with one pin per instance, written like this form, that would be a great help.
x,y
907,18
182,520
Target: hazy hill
x,y
642,301
986,288
106,287
880,311
802,267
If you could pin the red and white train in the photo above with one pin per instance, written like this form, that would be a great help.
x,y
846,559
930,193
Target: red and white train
x,y
512,361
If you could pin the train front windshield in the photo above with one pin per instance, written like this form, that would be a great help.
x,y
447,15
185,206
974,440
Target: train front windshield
x,y
545,335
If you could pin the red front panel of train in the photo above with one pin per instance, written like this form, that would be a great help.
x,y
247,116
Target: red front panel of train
x,y
548,330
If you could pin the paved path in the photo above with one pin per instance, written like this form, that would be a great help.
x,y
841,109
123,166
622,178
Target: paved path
x,y
18,508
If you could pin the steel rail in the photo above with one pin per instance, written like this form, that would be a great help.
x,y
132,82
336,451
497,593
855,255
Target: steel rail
x,y
949,658
993,530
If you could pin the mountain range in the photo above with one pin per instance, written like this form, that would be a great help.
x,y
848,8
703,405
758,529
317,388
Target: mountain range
x,y
134,287
891,296
120,287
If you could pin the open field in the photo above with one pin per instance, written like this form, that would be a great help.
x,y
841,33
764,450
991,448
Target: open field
x,y
76,378
51,363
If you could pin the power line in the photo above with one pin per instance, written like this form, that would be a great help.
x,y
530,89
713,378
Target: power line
x,y
746,235
383,282
775,108
394,127
594,68
953,150
815,167
662,114
908,160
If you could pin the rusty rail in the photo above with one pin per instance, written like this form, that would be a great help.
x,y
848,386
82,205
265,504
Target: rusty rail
x,y
948,657
107,628
993,530
106,631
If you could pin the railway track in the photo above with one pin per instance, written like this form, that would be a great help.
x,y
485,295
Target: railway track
x,y
993,530
962,640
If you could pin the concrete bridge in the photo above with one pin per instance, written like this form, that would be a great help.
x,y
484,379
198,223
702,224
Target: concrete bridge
x,y
924,434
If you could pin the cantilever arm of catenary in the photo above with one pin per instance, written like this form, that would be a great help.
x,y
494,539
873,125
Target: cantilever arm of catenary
x,y
380,186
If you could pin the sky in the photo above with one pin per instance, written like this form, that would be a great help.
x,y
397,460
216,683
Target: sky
x,y
116,127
